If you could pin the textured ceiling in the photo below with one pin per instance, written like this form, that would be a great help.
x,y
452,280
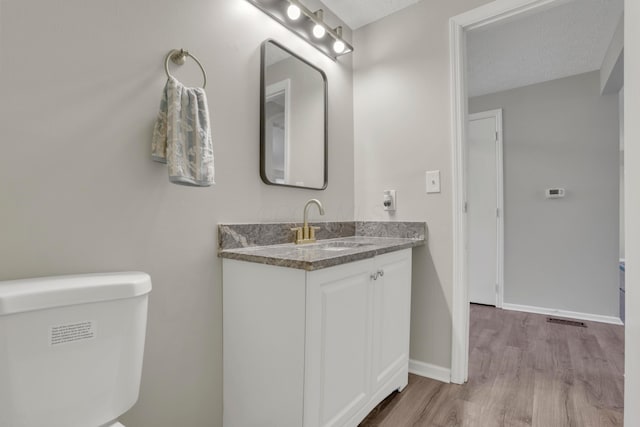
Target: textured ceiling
x,y
358,13
559,42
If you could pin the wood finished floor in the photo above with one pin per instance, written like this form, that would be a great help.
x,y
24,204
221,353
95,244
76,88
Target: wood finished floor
x,y
523,371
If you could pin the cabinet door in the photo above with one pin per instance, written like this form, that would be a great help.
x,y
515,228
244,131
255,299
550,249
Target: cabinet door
x,y
338,350
392,306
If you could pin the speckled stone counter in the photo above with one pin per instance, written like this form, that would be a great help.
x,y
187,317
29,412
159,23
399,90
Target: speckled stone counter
x,y
338,242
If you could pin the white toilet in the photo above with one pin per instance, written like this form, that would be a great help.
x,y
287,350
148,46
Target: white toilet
x,y
71,349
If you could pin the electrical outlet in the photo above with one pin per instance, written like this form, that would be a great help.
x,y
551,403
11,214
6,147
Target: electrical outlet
x,y
389,200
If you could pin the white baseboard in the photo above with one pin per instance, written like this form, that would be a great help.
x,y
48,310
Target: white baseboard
x,y
430,371
562,313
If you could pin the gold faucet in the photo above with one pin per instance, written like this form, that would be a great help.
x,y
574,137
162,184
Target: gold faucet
x,y
306,234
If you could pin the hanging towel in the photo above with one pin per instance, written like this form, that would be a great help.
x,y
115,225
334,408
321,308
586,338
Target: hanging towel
x,y
182,135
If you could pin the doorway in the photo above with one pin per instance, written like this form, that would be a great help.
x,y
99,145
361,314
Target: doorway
x,y
479,18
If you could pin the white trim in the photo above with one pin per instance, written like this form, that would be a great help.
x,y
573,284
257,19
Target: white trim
x,y
428,370
460,295
497,11
497,116
562,313
501,11
500,183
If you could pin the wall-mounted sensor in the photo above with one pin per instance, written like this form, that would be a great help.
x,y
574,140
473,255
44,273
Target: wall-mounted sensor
x,y
389,200
554,193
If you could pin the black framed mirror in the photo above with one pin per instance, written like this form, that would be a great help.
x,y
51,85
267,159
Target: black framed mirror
x,y
293,120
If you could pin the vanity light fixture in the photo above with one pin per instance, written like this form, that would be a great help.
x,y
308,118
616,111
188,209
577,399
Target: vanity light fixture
x,y
318,28
307,24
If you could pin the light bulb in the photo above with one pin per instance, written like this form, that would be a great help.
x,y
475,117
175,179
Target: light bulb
x,y
293,12
338,46
319,31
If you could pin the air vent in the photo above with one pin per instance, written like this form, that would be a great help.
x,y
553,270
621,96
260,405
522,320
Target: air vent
x,y
566,322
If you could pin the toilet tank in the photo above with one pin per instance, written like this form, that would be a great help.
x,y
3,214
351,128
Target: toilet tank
x,y
71,348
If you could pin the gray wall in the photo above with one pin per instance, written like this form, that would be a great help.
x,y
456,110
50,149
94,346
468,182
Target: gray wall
x,y
402,129
560,254
81,83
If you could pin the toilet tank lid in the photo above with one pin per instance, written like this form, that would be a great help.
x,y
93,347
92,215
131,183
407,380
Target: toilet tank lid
x,y
22,295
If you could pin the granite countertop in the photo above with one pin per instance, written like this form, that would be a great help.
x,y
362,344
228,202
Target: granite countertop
x,y
324,253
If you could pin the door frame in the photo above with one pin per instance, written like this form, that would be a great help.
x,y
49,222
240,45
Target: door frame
x,y
483,16
497,116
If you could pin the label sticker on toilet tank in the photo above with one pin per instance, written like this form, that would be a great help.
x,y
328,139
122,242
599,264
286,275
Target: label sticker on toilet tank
x,y
72,332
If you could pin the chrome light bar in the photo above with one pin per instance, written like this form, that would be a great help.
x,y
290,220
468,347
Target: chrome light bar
x,y
307,24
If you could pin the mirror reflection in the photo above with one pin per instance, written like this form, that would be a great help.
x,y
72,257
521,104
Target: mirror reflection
x,y
293,121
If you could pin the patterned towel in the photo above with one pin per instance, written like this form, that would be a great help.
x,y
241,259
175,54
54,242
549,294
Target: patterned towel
x,y
182,136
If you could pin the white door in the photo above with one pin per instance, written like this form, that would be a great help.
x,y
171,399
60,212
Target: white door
x,y
484,207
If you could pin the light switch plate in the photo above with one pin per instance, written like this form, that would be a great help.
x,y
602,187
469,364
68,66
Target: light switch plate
x,y
433,181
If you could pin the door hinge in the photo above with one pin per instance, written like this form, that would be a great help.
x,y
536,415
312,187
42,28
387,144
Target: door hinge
x,y
497,289
465,208
497,213
497,136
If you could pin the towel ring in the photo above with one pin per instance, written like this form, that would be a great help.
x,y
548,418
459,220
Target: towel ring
x,y
178,57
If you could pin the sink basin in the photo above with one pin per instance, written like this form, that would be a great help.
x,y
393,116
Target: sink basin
x,y
334,246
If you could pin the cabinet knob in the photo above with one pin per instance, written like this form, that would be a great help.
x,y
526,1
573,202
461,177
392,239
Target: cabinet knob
x,y
380,272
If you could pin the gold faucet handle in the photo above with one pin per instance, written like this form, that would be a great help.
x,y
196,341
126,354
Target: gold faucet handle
x,y
298,234
312,232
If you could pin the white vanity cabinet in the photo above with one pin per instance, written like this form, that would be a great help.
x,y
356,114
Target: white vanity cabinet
x,y
314,348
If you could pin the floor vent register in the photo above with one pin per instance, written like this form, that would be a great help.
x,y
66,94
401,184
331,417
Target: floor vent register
x,y
566,322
